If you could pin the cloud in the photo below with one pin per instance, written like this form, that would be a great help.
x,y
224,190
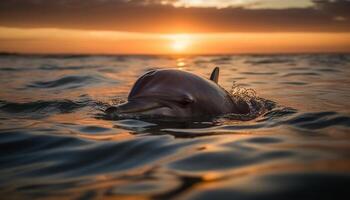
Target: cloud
x,y
151,16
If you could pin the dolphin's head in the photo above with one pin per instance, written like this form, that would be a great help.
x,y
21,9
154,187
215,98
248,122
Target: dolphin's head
x,y
174,94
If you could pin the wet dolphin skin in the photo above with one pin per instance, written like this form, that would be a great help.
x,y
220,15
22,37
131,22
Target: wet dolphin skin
x,y
177,94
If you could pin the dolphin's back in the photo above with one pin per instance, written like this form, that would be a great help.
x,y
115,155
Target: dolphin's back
x,y
170,80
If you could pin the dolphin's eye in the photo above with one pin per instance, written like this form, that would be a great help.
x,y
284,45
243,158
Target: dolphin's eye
x,y
187,100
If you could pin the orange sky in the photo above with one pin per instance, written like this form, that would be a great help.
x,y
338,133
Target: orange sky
x,y
110,42
174,26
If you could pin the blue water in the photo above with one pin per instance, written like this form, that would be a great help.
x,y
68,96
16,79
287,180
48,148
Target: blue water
x,y
56,143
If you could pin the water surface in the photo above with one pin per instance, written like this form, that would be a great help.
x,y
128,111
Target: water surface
x,y
56,144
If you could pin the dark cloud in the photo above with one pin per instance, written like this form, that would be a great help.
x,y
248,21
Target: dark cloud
x,y
150,16
335,7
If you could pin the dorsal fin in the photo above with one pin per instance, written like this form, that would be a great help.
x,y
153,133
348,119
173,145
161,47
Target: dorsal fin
x,y
215,74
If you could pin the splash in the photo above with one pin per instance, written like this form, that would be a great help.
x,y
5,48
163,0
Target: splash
x,y
241,96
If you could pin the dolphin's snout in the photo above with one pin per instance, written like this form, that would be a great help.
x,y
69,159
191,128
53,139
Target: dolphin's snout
x,y
132,107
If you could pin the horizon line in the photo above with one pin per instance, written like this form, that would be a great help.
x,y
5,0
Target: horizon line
x,y
5,53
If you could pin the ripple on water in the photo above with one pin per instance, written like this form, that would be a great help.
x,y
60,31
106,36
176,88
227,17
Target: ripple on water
x,y
259,73
67,82
56,67
265,61
94,129
232,155
294,83
331,70
274,118
38,108
224,160
319,120
286,186
45,155
301,74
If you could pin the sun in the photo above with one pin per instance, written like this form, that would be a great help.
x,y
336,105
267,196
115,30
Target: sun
x,y
179,45
180,42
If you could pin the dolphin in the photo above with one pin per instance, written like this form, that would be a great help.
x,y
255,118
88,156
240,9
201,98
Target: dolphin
x,y
171,93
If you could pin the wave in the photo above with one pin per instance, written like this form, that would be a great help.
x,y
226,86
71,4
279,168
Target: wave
x,y
294,83
80,156
318,120
259,73
272,60
221,60
301,74
282,116
9,69
41,107
55,67
67,82
278,116
334,60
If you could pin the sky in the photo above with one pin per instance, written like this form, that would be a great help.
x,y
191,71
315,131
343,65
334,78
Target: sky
x,y
174,26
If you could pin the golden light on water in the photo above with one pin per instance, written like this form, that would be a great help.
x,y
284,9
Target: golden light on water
x,y
181,63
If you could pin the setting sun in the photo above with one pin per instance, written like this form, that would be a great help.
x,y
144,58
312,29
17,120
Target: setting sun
x,y
179,45
180,42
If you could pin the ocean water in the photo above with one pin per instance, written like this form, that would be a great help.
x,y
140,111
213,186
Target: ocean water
x,y
55,142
